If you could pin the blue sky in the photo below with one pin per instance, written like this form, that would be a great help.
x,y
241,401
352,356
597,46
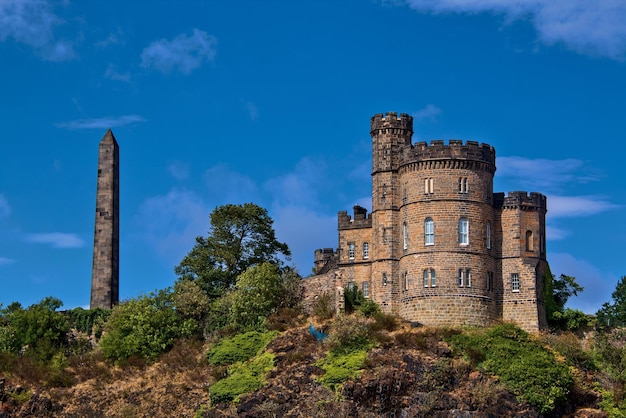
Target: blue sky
x,y
217,102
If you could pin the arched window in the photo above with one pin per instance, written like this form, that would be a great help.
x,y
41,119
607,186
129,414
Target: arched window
x,y
429,232
463,231
529,241
433,278
405,236
426,278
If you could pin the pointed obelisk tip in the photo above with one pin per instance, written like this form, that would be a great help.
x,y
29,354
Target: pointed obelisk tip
x,y
108,136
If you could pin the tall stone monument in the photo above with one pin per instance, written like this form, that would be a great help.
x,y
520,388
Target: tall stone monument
x,y
106,243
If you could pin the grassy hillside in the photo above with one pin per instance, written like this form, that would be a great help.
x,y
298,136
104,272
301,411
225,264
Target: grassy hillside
x,y
367,367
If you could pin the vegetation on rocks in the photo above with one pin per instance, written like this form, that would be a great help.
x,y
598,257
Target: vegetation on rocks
x,y
230,340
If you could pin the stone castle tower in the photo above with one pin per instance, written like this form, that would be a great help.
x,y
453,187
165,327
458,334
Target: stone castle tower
x,y
440,248
105,270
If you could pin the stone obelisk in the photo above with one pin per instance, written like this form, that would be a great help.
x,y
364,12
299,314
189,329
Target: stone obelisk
x,y
106,242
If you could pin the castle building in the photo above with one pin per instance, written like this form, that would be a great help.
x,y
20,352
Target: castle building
x,y
106,242
440,248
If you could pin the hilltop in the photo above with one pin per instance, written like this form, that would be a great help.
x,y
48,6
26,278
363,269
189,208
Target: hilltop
x,y
405,371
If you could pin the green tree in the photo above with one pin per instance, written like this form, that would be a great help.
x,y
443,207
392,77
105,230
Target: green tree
x,y
612,315
610,349
240,236
39,329
144,327
556,293
260,291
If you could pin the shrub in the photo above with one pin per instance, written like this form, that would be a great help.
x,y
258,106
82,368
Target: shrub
x,y
526,368
87,320
348,332
354,300
243,377
239,348
258,293
349,343
144,327
324,307
341,366
40,328
383,321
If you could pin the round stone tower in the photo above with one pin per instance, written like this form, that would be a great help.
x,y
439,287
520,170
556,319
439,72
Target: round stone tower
x,y
448,261
433,225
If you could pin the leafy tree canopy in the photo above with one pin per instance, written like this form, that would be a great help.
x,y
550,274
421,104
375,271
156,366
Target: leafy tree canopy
x,y
557,292
240,236
613,315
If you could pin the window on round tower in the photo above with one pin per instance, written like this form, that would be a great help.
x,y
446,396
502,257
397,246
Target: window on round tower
x,y
405,236
429,232
463,231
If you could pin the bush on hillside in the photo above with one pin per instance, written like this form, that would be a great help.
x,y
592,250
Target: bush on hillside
x,y
144,327
239,348
527,369
39,331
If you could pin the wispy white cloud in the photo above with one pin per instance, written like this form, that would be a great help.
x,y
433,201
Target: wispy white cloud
x,y
114,38
429,113
170,223
225,185
112,74
576,206
589,27
184,53
302,184
554,233
4,261
5,209
100,123
56,239
541,173
32,22
179,170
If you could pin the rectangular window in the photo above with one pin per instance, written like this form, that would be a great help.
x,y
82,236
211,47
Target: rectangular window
x,y
515,284
429,232
351,286
488,235
406,280
405,236
366,250
460,277
366,289
463,231
490,281
468,278
463,185
433,278
426,278
351,251
429,186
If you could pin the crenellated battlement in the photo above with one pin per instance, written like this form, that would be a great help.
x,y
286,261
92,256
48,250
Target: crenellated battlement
x,y
360,220
520,199
455,150
391,121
